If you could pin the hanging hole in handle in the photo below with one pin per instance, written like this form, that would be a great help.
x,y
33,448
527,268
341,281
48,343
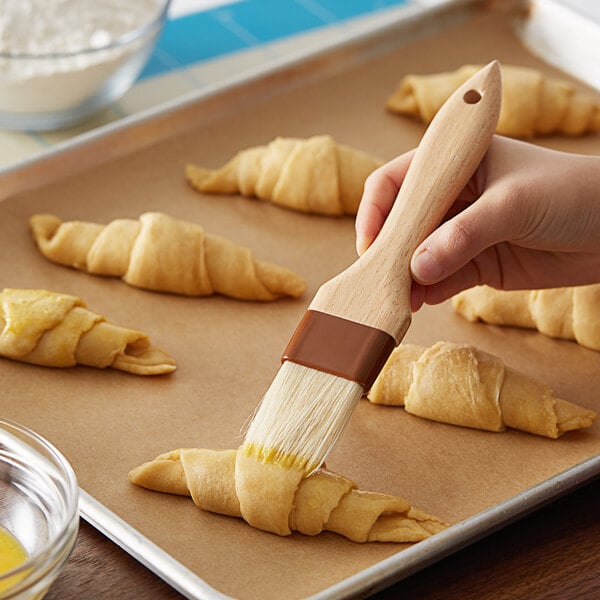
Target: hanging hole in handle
x,y
472,97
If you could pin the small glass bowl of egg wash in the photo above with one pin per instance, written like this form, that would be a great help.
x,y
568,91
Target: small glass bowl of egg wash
x,y
39,515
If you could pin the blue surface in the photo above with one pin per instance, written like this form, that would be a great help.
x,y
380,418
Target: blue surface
x,y
205,35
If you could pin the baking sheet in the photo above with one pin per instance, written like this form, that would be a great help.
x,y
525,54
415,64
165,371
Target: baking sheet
x,y
228,351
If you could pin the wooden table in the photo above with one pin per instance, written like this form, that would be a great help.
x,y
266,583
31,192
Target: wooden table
x,y
554,553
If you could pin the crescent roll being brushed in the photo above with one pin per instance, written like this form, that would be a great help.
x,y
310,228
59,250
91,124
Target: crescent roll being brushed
x,y
325,501
161,253
57,330
462,385
532,104
314,175
571,313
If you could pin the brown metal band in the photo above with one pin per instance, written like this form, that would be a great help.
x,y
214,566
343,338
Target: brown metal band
x,y
340,347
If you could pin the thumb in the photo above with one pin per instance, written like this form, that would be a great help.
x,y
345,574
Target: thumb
x,y
463,238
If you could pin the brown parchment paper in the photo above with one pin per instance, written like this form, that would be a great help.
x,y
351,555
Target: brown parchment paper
x,y
228,352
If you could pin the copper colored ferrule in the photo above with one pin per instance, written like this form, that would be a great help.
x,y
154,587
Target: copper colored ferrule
x,y
340,347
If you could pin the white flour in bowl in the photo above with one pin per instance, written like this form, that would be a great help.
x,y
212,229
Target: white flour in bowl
x,y
54,54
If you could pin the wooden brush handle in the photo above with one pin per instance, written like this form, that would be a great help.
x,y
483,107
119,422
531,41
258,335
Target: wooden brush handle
x,y
375,290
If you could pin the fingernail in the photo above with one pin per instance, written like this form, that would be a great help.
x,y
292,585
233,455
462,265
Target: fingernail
x,y
361,245
425,267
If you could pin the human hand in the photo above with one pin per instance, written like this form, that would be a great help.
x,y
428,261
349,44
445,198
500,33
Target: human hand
x,y
529,218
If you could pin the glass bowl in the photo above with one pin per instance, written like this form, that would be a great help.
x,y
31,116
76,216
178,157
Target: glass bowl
x,y
62,60
38,508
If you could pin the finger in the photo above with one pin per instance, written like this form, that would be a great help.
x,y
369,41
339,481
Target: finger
x,y
465,278
380,191
417,296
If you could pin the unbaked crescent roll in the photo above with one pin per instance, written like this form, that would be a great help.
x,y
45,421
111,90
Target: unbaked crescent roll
x,y
532,104
462,385
325,501
314,175
57,330
571,313
161,253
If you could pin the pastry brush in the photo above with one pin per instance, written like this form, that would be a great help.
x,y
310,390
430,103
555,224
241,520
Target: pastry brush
x,y
357,318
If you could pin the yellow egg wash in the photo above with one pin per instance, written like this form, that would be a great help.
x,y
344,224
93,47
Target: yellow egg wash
x,y
12,554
